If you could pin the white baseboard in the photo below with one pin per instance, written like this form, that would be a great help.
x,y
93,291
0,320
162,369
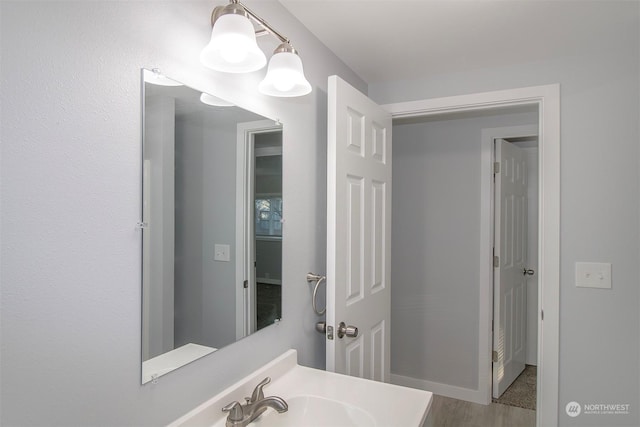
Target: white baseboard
x,y
454,392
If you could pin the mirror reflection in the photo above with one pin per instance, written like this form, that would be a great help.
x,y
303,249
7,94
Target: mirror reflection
x,y
211,224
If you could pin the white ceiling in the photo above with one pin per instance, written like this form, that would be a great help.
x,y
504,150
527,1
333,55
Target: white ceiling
x,y
386,40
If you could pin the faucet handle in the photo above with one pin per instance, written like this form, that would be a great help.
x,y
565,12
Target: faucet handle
x,y
235,411
258,394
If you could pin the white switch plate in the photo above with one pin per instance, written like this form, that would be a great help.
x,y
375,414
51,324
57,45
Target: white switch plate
x,y
222,253
593,275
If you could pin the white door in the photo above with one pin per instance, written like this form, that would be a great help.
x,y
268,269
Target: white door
x,y
358,233
510,242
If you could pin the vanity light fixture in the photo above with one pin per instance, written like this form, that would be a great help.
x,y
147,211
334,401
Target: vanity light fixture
x,y
233,49
214,101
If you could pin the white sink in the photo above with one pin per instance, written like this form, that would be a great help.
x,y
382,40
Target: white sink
x,y
317,398
314,411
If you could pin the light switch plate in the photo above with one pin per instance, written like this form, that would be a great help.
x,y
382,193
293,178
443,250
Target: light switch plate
x,y
222,253
593,275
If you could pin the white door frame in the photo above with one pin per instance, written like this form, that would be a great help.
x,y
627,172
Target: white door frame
x,y
547,100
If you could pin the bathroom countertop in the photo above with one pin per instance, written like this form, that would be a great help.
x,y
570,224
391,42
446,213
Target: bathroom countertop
x,y
389,405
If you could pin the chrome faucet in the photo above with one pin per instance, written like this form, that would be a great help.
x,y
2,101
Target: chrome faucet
x,y
243,415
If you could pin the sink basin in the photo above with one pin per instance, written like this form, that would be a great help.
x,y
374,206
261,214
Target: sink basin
x,y
317,398
314,411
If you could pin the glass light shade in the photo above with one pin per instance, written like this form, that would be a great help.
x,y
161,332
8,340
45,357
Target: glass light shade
x,y
208,99
233,47
156,78
285,76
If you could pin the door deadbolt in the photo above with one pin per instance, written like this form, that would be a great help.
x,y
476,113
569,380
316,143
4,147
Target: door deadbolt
x,y
350,331
321,327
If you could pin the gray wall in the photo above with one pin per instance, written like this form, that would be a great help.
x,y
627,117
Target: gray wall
x,y
160,151
206,151
599,329
189,301
205,288
71,196
219,202
436,247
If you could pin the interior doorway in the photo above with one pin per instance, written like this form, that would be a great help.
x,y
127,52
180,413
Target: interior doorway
x,y
546,99
267,230
442,240
259,227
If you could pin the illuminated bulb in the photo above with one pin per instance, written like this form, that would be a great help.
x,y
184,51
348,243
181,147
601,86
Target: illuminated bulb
x,y
233,55
233,47
283,82
285,76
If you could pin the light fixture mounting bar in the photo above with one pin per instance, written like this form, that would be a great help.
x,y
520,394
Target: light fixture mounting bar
x,y
266,28
263,23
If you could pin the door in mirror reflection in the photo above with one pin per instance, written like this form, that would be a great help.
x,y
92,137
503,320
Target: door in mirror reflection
x,y
211,264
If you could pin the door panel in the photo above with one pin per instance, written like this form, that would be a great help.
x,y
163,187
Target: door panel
x,y
378,341
378,232
510,290
358,232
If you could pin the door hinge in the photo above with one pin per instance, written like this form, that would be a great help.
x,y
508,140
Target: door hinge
x,y
494,356
245,284
496,261
496,167
541,314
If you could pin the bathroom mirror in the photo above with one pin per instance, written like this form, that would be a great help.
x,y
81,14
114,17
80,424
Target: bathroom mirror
x,y
211,224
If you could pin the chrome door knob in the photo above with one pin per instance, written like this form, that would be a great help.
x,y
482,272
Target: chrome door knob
x,y
528,272
350,331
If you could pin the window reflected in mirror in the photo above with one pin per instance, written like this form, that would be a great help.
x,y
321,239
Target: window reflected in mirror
x,y
268,216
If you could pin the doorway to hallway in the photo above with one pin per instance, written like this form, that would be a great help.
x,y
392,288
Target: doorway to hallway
x,y
548,265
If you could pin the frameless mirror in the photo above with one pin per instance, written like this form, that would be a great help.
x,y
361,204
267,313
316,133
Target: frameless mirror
x,y
211,224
